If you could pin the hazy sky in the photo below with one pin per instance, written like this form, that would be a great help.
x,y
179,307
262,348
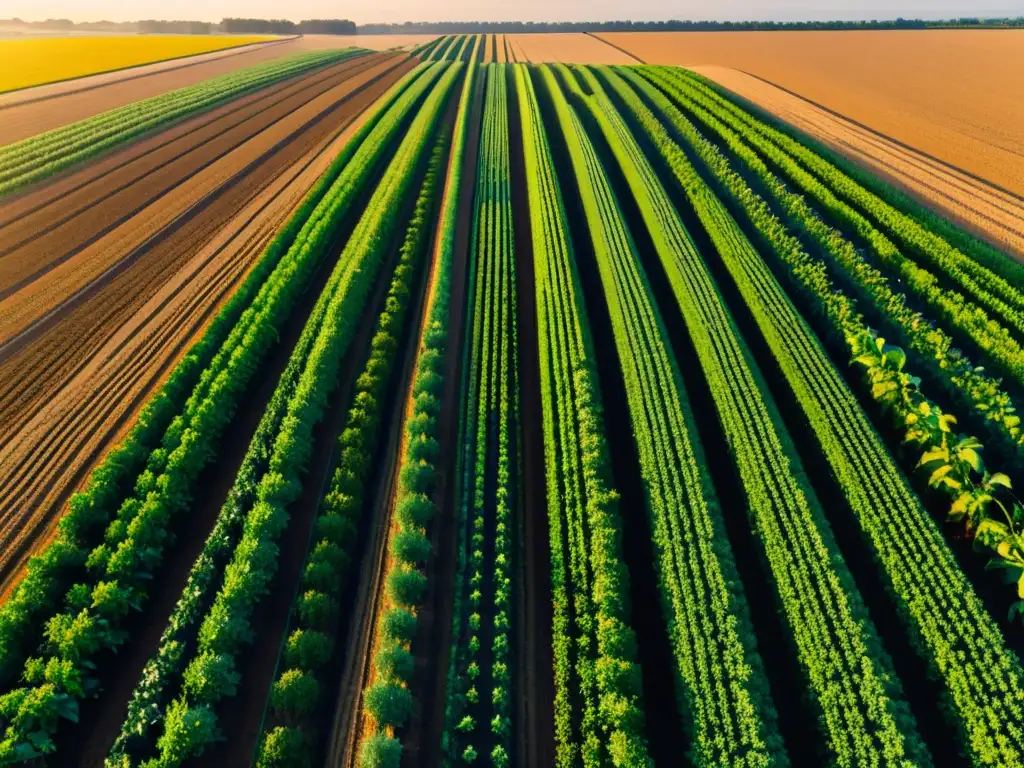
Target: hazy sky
x,y
532,10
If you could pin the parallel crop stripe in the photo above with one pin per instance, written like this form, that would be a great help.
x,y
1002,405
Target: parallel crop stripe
x,y
979,282
953,631
719,684
822,607
250,570
952,367
492,352
227,358
990,330
583,512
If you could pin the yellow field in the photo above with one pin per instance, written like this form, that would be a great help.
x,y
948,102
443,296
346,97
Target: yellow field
x,y
24,63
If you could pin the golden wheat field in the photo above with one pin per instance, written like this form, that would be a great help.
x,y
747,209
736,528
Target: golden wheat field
x,y
25,63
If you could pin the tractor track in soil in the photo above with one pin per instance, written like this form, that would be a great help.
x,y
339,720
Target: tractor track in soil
x,y
46,205
146,251
152,322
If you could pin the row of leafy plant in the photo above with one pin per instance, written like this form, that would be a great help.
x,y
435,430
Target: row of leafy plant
x,y
426,50
979,283
444,48
975,494
166,665
296,695
965,383
597,679
720,679
113,537
35,158
864,715
946,620
479,695
961,313
190,720
387,701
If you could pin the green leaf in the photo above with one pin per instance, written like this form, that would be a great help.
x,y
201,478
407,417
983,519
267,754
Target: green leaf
x,y
999,478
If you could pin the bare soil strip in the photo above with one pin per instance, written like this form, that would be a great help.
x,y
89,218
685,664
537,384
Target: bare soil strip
x,y
33,245
151,244
568,47
619,48
993,214
140,327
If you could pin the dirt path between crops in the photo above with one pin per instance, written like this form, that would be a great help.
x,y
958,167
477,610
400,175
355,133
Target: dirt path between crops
x,y
535,676
90,401
354,655
434,627
241,716
986,210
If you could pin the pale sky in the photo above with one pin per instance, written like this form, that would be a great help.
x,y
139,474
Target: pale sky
x,y
519,10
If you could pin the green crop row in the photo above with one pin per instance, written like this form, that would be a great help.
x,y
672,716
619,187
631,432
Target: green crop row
x,y
964,313
43,155
967,383
947,621
979,283
388,701
596,674
479,699
444,48
864,716
310,645
190,720
721,683
119,531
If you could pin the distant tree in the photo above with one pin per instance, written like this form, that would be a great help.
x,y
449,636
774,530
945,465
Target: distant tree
x,y
327,27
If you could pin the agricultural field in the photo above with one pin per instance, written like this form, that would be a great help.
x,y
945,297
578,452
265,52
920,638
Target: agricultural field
x,y
875,97
486,400
26,63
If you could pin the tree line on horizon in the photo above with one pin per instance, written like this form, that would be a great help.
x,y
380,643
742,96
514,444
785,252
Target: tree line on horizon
x,y
347,27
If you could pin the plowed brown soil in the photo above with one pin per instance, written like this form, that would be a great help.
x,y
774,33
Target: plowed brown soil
x,y
44,229
994,214
90,371
568,47
373,42
952,94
